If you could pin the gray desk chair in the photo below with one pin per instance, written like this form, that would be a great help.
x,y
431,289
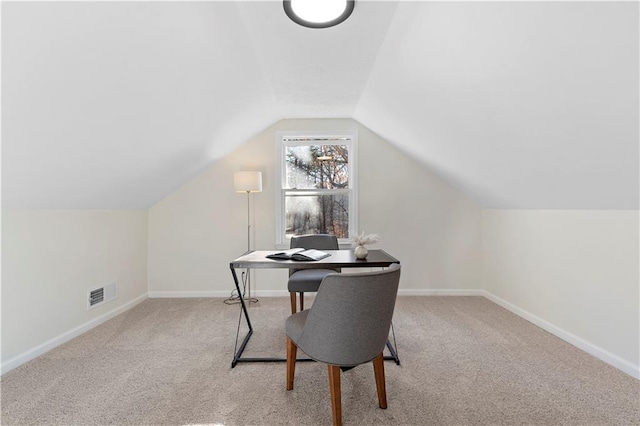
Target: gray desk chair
x,y
347,325
308,280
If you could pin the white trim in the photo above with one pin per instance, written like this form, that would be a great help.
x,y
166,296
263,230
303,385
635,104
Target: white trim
x,y
66,336
211,294
353,179
285,293
271,293
590,348
188,294
439,292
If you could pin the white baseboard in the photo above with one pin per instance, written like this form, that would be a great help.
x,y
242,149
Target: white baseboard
x,y
65,337
438,292
187,294
601,354
285,293
271,293
224,294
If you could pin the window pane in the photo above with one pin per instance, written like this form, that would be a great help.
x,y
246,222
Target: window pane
x,y
317,214
317,166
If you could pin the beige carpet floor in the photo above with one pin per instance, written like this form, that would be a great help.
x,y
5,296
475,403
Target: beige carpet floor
x,y
464,360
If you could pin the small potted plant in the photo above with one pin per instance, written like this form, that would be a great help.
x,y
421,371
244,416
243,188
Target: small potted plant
x,y
362,240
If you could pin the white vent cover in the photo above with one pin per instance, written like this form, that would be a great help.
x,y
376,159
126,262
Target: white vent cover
x,y
100,295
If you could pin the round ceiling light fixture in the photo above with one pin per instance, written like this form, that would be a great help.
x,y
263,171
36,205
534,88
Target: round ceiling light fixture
x,y
318,13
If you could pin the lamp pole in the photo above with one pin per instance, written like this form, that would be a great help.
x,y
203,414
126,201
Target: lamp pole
x,y
249,243
248,182
248,222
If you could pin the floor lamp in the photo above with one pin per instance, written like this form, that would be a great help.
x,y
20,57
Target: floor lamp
x,y
248,182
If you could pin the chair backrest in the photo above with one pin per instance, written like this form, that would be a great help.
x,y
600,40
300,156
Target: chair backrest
x,y
349,321
314,241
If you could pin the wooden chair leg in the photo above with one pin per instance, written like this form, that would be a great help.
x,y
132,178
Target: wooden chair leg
x,y
292,296
378,370
336,397
292,351
301,301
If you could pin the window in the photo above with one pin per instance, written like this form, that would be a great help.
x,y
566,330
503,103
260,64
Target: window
x,y
317,193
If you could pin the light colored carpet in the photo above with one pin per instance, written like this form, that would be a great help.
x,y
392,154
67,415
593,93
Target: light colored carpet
x,y
464,360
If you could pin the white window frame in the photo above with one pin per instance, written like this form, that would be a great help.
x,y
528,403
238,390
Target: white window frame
x,y
284,139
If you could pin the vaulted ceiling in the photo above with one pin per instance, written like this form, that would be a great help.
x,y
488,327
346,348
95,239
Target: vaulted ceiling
x,y
520,105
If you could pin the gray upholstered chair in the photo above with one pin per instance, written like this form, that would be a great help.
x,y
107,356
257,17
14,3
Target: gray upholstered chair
x,y
347,325
308,280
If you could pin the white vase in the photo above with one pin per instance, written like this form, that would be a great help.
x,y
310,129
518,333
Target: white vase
x,y
360,252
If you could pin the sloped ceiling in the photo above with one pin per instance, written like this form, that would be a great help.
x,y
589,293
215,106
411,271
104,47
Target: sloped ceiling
x,y
521,105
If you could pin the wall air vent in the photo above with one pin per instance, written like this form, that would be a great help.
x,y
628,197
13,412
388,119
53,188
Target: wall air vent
x,y
98,296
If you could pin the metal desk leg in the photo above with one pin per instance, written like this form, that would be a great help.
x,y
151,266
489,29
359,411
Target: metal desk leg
x,y
394,354
237,356
393,348
238,352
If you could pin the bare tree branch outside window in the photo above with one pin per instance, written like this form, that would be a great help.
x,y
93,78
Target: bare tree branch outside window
x,y
324,170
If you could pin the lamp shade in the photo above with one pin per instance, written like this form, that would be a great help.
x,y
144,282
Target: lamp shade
x,y
247,181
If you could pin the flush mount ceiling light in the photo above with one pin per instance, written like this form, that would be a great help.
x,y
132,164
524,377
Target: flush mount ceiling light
x,y
318,13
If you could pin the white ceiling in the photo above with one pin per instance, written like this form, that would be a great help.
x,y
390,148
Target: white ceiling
x,y
521,105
